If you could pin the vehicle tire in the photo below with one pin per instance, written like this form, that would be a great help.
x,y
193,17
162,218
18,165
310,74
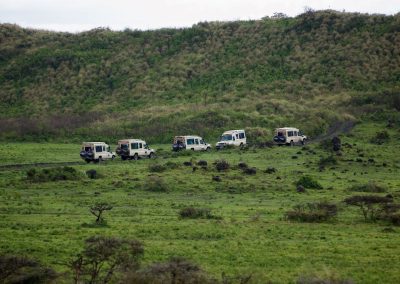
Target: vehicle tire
x,y
303,142
112,157
136,157
208,149
151,156
192,149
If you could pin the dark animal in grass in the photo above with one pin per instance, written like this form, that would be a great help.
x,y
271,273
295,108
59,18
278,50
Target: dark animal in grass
x,y
216,178
202,163
242,165
336,143
92,174
250,171
300,189
194,169
270,170
221,165
188,164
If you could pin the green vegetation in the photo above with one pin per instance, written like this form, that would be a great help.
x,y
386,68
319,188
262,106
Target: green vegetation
x,y
50,221
309,71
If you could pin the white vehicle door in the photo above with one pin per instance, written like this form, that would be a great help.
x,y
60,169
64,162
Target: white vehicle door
x,y
202,145
190,144
142,150
197,145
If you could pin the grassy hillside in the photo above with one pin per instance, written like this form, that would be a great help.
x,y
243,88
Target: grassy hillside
x,y
49,220
309,71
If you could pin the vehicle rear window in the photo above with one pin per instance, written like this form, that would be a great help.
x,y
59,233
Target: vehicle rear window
x,y
87,149
99,149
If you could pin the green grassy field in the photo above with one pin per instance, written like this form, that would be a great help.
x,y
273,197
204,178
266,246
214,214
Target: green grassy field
x,y
50,220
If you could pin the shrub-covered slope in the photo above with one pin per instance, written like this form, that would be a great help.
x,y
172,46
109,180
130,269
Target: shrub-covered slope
x,y
308,71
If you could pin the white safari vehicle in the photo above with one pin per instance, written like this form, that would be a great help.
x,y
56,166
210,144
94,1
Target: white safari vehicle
x,y
194,143
232,137
96,152
134,149
289,136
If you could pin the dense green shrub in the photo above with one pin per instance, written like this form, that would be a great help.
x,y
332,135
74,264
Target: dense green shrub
x,y
380,137
312,212
53,174
196,213
155,184
17,269
176,270
309,182
371,186
157,168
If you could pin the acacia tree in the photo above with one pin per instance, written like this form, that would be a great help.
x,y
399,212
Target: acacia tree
x,y
370,205
102,257
98,209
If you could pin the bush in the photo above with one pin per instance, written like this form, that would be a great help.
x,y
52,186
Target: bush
x,y
312,212
103,256
196,213
53,174
176,270
270,170
155,184
221,165
327,161
371,186
309,182
16,269
380,137
157,168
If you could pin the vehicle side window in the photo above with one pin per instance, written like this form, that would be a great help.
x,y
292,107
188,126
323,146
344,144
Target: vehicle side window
x,y
135,146
300,133
201,142
190,141
295,133
290,133
140,145
237,136
99,149
241,135
196,141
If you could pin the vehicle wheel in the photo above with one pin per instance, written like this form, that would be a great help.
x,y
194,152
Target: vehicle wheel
x,y
303,142
208,149
112,157
136,157
151,156
291,143
192,149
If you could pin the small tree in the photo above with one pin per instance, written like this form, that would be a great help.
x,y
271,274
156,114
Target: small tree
x,y
370,205
102,257
98,209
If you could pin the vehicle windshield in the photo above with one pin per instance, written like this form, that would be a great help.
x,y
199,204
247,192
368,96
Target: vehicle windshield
x,y
226,137
88,149
124,146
